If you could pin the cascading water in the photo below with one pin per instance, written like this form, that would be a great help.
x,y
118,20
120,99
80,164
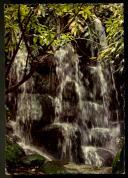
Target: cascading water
x,y
80,112
73,108
83,129
28,105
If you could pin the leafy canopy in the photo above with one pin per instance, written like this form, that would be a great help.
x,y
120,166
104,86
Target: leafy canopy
x,y
54,25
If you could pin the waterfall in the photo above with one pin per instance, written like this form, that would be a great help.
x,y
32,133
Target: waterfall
x,y
79,113
82,129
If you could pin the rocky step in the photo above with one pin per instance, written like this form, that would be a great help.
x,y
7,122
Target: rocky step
x,y
94,114
100,136
118,124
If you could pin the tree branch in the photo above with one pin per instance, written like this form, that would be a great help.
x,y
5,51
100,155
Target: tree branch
x,y
63,28
18,45
37,61
25,78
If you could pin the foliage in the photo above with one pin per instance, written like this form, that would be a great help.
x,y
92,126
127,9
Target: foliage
x,y
114,29
54,25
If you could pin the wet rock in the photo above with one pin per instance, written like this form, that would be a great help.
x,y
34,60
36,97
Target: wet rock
x,y
9,129
60,140
69,113
51,138
11,112
99,136
46,84
69,93
47,63
76,148
122,128
94,114
15,138
45,78
48,110
48,116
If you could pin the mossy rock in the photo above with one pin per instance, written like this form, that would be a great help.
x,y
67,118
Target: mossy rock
x,y
13,153
53,167
33,160
118,162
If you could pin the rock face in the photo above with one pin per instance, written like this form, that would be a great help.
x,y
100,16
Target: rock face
x,y
47,118
70,101
48,110
50,139
45,77
69,93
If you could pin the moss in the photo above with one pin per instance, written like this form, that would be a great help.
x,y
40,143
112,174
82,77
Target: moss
x,y
118,162
53,167
13,153
33,160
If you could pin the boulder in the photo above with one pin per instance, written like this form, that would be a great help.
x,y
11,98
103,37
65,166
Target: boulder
x,y
14,154
106,155
33,160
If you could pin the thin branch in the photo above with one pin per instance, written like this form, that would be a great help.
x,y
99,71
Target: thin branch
x,y
29,75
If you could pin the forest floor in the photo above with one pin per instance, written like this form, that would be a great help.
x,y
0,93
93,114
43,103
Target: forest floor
x,y
70,168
